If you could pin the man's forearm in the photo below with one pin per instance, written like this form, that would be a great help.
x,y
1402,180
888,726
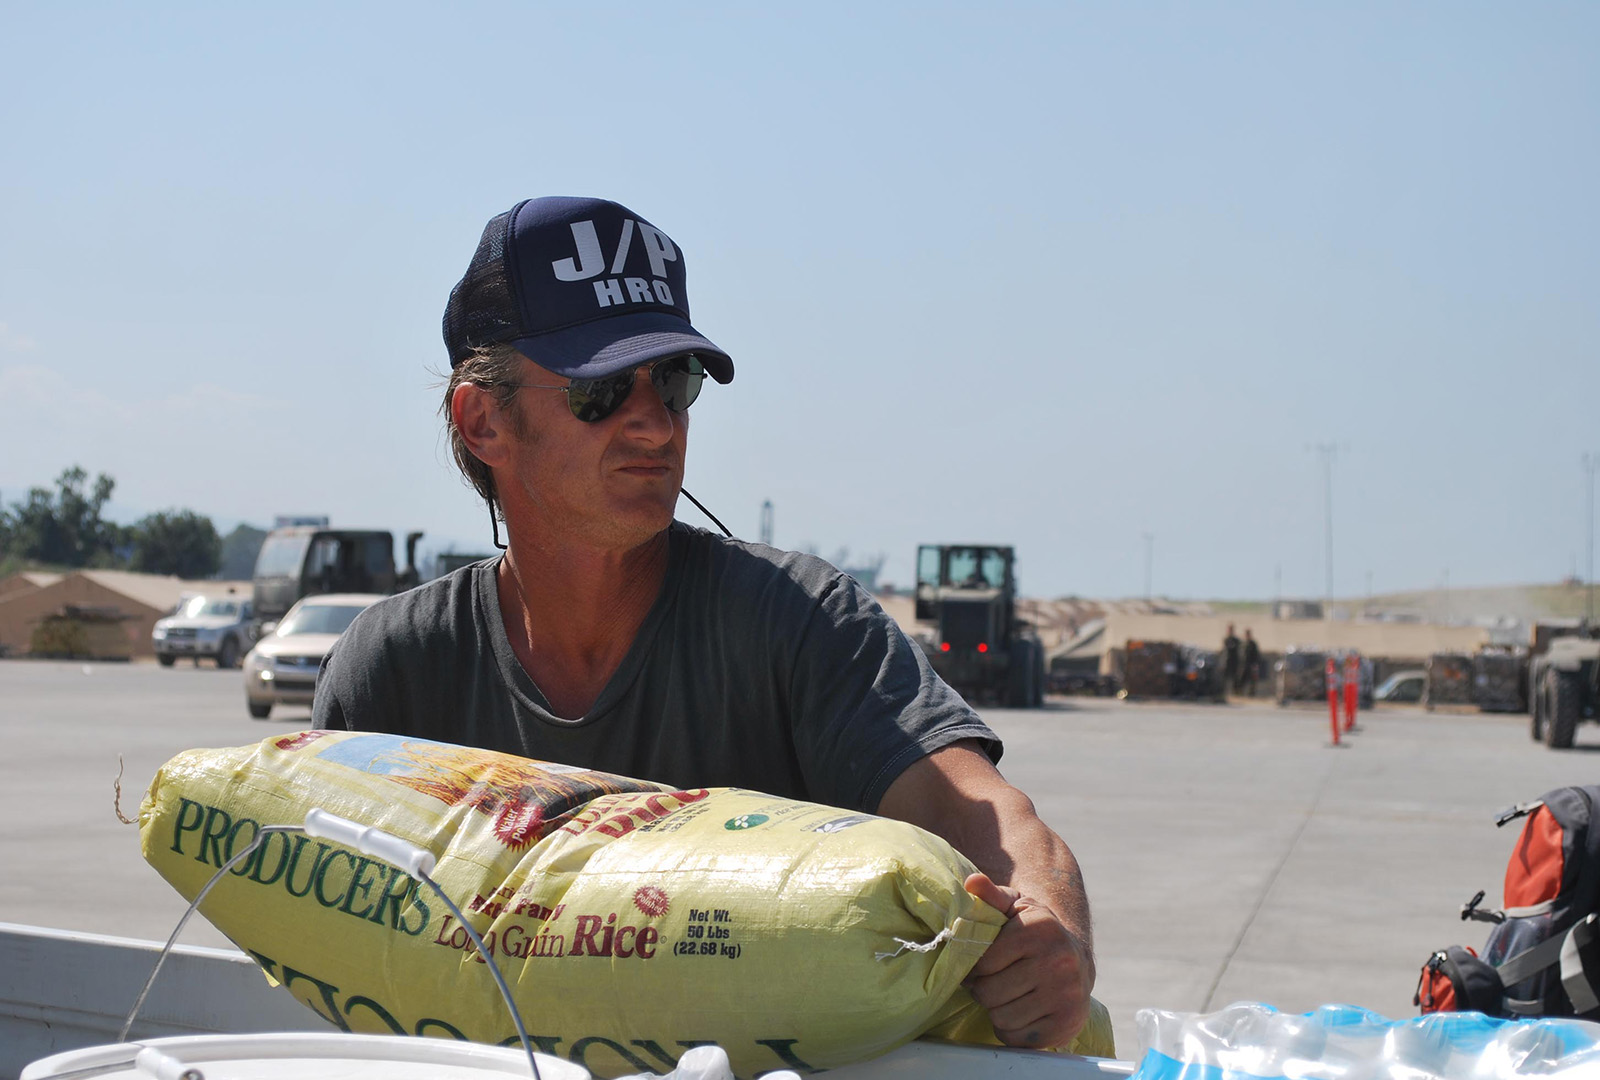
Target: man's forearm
x,y
1014,847
958,794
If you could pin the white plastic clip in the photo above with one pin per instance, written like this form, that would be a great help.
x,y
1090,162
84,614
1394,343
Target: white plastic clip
x,y
415,861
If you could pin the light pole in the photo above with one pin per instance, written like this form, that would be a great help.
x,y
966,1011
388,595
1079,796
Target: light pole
x,y
1149,561
1327,451
1591,463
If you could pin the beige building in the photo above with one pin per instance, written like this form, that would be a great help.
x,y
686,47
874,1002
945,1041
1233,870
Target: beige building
x,y
26,582
28,598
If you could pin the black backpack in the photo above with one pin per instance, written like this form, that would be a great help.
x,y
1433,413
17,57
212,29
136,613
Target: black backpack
x,y
1543,956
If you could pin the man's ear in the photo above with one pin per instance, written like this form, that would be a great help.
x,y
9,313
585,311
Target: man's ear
x,y
484,426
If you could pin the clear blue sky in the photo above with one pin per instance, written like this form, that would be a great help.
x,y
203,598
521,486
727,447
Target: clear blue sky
x,y
1052,275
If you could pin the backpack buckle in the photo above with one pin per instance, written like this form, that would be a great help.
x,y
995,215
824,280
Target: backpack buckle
x,y
1469,910
1425,984
1512,813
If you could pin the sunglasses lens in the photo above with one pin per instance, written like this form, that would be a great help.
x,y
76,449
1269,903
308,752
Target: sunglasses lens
x,y
592,400
678,381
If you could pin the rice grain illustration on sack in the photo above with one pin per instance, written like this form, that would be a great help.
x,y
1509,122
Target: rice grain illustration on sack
x,y
632,921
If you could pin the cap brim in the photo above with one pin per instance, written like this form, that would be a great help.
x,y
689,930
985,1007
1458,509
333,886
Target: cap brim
x,y
619,342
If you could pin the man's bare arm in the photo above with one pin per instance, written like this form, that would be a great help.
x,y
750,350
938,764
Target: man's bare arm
x,y
1036,977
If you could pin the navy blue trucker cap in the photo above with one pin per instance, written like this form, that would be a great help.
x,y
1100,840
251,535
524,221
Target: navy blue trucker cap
x,y
582,287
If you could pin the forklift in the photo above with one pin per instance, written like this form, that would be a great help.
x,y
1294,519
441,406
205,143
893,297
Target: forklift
x,y
968,592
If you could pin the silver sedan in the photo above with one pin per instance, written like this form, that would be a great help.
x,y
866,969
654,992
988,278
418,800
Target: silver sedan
x,y
282,668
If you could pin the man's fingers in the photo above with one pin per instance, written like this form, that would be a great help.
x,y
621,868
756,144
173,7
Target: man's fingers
x,y
1030,932
1006,984
1050,1030
1009,946
1032,1018
1034,979
999,897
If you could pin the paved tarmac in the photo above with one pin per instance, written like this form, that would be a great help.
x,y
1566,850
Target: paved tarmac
x,y
1229,854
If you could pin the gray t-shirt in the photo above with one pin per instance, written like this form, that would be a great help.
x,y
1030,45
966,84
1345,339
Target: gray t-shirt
x,y
755,668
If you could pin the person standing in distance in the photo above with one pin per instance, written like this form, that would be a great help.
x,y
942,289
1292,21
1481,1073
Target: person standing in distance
x,y
612,637
1230,662
1249,664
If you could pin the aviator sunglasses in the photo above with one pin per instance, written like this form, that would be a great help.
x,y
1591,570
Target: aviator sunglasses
x,y
677,379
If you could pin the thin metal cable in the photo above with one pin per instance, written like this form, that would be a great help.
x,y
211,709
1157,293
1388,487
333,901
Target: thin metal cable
x,y
249,849
494,969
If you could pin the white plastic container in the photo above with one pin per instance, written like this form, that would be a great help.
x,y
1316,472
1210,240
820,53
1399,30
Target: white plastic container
x,y
298,1056
337,1056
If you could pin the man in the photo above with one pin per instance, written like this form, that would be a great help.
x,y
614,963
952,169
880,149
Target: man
x,y
1230,661
1249,664
610,636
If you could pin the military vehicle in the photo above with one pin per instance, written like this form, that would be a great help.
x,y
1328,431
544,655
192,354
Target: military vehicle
x,y
979,645
304,560
1564,688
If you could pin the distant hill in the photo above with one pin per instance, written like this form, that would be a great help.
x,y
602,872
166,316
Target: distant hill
x,y
1522,602
1525,602
1061,618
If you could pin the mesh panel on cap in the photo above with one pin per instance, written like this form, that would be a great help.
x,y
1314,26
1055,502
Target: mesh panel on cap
x,y
481,310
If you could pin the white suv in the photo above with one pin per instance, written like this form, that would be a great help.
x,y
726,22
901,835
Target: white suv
x,y
220,627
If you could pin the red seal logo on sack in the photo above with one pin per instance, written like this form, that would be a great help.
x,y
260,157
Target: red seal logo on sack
x,y
295,742
651,900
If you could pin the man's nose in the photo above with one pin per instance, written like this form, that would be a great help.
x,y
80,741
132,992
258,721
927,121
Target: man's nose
x,y
644,413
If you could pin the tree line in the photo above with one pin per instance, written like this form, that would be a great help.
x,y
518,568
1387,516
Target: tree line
x,y
66,527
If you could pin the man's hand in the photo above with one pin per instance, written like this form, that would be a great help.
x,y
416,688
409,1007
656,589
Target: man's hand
x,y
1036,977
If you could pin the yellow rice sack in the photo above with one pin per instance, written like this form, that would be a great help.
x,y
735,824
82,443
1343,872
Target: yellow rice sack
x,y
632,921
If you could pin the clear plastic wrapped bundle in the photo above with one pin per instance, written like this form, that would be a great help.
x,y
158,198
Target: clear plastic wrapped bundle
x,y
1249,1041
